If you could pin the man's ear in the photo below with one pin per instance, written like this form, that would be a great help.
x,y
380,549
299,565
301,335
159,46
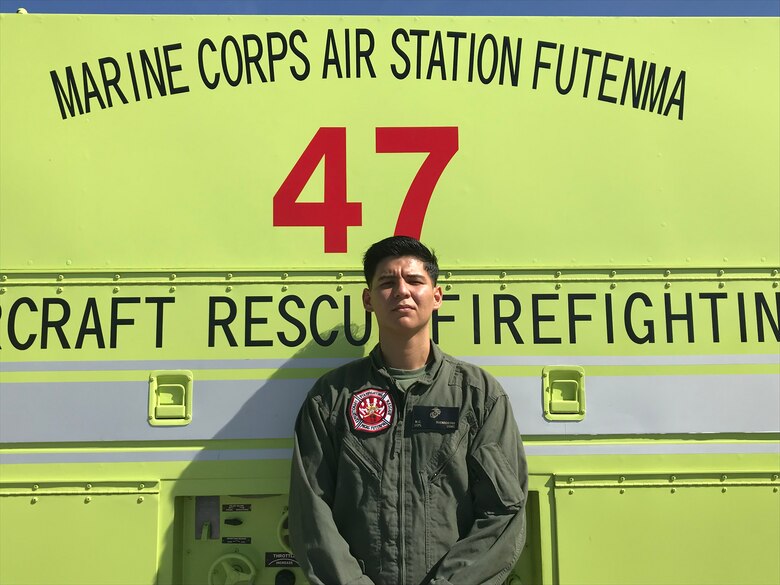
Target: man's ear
x,y
367,300
437,297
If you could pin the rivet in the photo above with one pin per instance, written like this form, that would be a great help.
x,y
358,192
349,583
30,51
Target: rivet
x,y
622,491
773,489
613,286
284,275
87,500
228,288
775,284
141,486
668,285
721,284
503,286
339,287
172,289
189,378
672,478
613,273
340,275
35,487
60,277
621,479
571,492
667,272
571,480
59,289
229,275
502,275
3,278
774,477
34,501
88,486
723,490
141,500
116,289
557,273
449,274
721,272
116,277
448,287
674,490
725,259
172,277
557,285
723,477
2,291
774,273
188,417
284,287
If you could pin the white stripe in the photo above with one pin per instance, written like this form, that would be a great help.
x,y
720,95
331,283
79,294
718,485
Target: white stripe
x,y
616,360
655,449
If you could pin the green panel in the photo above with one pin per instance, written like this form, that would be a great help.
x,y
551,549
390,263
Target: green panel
x,y
644,531
685,178
79,537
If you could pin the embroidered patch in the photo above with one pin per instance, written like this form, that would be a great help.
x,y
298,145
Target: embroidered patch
x,y
371,410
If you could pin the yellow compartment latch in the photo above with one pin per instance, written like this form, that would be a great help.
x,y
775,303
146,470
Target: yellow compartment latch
x,y
170,397
563,393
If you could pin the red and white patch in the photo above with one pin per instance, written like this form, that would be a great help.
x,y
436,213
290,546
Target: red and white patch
x,y
371,410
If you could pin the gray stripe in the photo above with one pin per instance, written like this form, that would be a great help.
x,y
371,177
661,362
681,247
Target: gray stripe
x,y
292,363
264,454
656,449
146,456
615,360
266,409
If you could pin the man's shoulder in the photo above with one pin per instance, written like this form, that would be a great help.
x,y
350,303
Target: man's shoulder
x,y
466,372
341,378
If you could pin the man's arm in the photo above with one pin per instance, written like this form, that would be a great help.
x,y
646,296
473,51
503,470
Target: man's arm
x,y
318,546
499,484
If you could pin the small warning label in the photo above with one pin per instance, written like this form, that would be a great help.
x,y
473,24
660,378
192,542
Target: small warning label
x,y
236,507
236,540
280,559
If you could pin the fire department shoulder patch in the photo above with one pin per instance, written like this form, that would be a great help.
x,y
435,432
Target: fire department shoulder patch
x,y
371,410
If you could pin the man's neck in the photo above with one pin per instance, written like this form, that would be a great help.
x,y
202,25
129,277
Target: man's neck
x,y
406,354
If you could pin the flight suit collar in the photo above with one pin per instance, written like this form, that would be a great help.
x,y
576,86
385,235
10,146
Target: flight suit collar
x,y
435,361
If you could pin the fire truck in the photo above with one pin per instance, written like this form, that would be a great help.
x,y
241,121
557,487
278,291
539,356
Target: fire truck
x,y
185,197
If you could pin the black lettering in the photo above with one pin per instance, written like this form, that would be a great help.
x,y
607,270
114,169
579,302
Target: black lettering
x,y
274,56
292,321
399,73
91,90
73,99
170,69
658,94
539,64
677,100
131,67
116,321
610,320
713,298
538,318
574,316
56,324
210,83
436,318
636,85
300,76
111,82
419,34
742,320
28,302
224,322
762,309
156,72
250,320
507,61
315,307
456,37
91,314
649,336
331,55
561,89
590,53
252,57
233,81
509,320
158,321
437,58
348,324
364,53
687,316
480,61
475,320
605,76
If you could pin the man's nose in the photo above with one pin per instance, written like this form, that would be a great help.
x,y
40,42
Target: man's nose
x,y
401,290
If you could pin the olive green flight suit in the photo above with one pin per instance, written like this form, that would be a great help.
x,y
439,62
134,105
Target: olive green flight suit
x,y
396,488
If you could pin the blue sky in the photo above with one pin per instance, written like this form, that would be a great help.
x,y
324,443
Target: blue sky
x,y
408,7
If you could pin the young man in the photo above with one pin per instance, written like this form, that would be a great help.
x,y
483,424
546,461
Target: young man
x,y
408,466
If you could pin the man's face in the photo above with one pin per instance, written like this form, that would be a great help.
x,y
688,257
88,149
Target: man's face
x,y
402,295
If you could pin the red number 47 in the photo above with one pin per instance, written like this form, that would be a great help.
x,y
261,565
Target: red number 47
x,y
334,213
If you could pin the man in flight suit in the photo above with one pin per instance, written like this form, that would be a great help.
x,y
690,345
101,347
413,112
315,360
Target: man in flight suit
x,y
408,467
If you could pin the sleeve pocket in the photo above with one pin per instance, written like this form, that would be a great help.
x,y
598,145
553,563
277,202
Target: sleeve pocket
x,y
498,485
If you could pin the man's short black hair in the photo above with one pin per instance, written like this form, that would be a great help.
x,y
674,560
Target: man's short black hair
x,y
395,247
